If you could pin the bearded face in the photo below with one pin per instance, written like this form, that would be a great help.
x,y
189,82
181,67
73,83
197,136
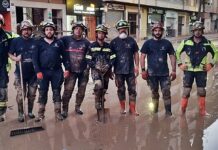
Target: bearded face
x,y
158,33
49,32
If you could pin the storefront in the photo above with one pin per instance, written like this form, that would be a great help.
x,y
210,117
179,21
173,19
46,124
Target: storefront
x,y
88,12
5,11
171,23
154,15
113,13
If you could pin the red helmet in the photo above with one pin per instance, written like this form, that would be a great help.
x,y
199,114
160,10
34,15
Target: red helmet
x,y
157,25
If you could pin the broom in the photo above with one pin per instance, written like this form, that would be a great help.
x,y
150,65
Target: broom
x,y
26,129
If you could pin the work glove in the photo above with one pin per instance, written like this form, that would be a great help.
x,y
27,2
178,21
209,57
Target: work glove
x,y
207,67
144,75
39,76
172,75
66,74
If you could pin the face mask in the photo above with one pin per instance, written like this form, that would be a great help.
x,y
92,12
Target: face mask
x,y
123,35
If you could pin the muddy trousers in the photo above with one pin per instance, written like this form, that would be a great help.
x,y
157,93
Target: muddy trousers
x,y
101,86
120,80
3,91
165,84
30,88
69,85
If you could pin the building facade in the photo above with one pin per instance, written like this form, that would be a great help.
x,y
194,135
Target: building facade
x,y
176,15
38,11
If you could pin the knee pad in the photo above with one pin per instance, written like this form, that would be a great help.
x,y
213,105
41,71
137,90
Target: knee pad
x,y
201,91
186,92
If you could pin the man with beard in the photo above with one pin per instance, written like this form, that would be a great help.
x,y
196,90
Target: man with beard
x,y
21,51
5,40
196,65
126,50
100,58
47,60
76,47
157,72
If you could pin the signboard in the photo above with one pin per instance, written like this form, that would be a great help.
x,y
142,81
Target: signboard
x,y
155,11
83,7
4,5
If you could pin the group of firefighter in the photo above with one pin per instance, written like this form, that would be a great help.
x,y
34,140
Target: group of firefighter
x,y
39,63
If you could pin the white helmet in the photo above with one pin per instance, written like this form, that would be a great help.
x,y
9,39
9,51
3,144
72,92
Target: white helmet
x,y
25,24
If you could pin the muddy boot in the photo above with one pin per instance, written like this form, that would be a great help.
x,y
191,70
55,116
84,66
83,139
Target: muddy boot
x,y
20,112
65,107
184,104
65,110
202,105
58,116
122,106
155,105
20,117
30,109
167,105
132,110
41,113
78,111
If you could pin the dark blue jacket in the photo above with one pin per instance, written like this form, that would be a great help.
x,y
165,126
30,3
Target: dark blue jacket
x,y
49,56
76,51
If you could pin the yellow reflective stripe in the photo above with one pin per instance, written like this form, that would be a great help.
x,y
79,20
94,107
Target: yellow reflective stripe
x,y
3,104
106,50
9,65
206,44
112,56
94,49
189,42
179,51
88,57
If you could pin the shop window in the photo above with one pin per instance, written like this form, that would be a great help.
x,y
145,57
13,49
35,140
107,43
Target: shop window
x,y
132,18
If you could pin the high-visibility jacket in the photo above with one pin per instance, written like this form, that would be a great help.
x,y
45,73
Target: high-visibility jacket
x,y
196,53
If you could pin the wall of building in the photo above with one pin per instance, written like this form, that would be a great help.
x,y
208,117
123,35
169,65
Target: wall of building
x,y
48,7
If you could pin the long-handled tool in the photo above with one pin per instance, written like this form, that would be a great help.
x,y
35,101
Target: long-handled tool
x,y
26,129
102,100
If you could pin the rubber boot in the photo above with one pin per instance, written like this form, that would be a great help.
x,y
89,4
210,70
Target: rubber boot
x,y
132,108
202,105
78,111
58,116
30,109
184,104
41,113
20,112
156,105
123,106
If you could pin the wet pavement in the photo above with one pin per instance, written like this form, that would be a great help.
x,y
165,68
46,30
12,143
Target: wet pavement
x,y
120,132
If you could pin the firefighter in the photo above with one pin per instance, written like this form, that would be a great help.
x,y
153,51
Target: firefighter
x,y
47,61
21,51
100,58
157,73
126,66
5,40
196,65
76,47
